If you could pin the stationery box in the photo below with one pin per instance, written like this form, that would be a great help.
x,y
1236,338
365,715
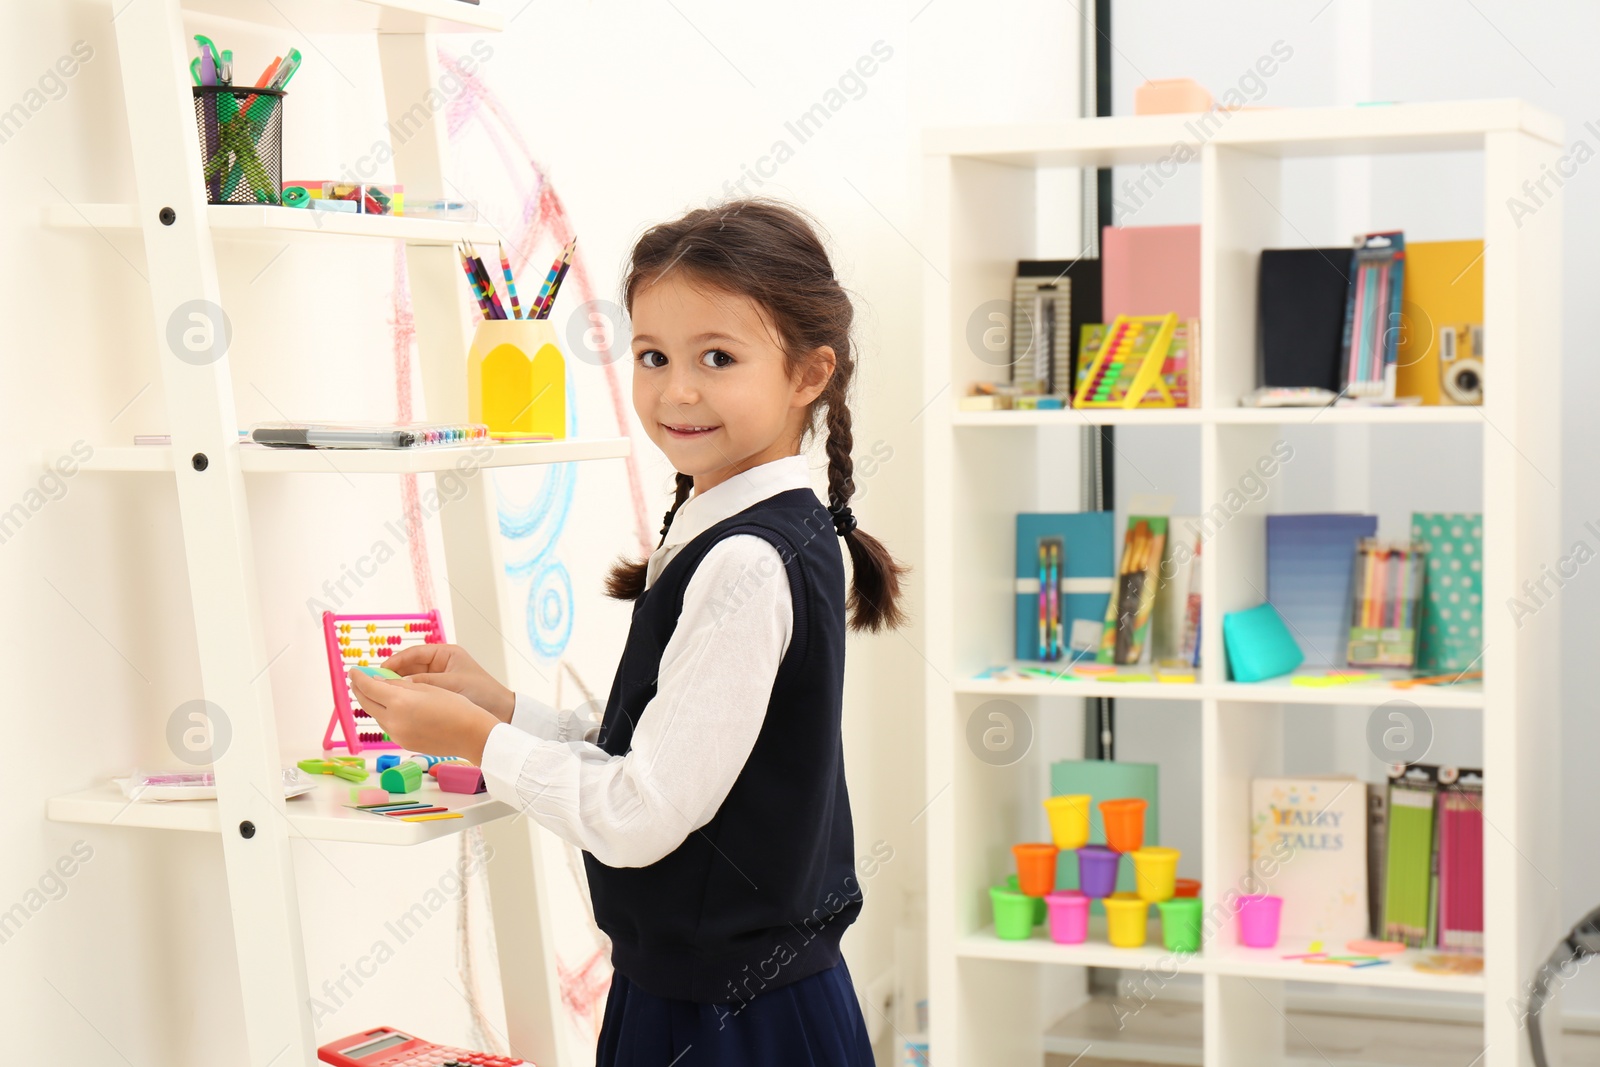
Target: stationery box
x,y
1312,833
1087,540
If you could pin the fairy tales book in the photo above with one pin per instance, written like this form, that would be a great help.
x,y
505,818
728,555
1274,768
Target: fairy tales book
x,y
1308,844
517,379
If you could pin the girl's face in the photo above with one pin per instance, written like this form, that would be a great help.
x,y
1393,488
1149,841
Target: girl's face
x,y
709,383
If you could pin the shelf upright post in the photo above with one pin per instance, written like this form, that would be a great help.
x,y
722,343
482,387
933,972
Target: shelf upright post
x,y
192,338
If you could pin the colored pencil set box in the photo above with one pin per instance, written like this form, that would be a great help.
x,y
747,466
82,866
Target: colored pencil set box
x,y
1386,591
1371,353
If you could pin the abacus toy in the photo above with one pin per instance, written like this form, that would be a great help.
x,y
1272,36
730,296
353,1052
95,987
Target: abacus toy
x,y
1127,371
366,641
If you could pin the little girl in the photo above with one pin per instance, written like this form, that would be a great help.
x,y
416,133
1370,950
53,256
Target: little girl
x,y
710,801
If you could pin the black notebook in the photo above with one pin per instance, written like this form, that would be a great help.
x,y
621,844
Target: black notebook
x,y
1300,316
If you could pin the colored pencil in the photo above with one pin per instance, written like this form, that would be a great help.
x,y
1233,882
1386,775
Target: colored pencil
x,y
550,298
488,286
511,286
549,280
472,283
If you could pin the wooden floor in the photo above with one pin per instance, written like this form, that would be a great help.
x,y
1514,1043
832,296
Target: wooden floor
x,y
1165,1033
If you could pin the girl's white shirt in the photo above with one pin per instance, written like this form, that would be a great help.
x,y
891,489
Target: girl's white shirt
x,y
692,739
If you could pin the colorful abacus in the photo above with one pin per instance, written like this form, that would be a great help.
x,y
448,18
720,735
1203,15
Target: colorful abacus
x,y
366,641
1127,371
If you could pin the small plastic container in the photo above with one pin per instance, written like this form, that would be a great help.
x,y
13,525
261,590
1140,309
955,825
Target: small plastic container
x,y
1155,873
1013,914
1069,819
1097,871
1127,920
1036,867
1258,919
1069,916
1124,819
1185,887
1040,912
1180,923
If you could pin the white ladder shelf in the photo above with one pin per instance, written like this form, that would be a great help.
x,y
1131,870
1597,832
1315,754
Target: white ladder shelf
x,y
249,814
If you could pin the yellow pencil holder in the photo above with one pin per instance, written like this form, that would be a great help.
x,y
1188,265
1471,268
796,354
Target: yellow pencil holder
x,y
517,378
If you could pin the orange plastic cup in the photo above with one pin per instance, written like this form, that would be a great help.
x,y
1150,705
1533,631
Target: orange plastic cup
x,y
1185,887
1124,819
1036,867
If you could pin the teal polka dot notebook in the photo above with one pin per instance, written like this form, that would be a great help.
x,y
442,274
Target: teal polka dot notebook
x,y
1452,598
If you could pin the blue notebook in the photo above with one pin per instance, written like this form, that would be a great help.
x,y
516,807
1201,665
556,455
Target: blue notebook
x,y
1309,561
1089,559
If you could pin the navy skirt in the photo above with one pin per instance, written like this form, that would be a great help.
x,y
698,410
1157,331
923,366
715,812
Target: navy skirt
x,y
815,1022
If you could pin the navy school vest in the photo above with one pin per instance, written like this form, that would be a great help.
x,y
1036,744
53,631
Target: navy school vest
x,y
760,896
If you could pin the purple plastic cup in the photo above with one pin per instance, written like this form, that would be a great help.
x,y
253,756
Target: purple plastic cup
x,y
1258,920
1069,916
1097,871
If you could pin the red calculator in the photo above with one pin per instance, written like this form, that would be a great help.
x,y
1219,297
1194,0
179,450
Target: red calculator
x,y
388,1047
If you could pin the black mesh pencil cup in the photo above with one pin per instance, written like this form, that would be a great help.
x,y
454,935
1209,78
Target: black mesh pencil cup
x,y
241,143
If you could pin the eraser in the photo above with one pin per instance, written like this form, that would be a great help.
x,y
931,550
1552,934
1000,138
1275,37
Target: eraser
x,y
404,777
359,795
378,672
460,778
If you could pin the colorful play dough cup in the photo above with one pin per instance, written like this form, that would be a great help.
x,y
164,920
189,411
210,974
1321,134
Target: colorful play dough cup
x,y
1069,819
1155,872
1097,871
1180,924
1036,867
1040,912
1069,916
1185,887
1127,919
1258,919
1013,914
1124,819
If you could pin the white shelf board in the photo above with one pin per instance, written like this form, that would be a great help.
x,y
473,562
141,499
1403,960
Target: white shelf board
x,y
1463,695
1453,126
1335,416
320,815
359,16
260,460
264,222
1399,973
1095,952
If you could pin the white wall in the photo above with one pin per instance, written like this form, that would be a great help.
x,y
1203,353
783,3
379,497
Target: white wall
x,y
1353,50
635,111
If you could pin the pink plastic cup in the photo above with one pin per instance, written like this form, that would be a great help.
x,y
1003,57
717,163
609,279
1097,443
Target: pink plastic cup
x,y
1069,916
1258,920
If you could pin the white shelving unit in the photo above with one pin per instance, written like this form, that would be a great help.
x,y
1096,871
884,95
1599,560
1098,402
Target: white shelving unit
x,y
252,821
991,999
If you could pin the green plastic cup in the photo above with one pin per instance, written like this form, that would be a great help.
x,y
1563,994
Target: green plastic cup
x,y
1180,923
1041,910
1013,913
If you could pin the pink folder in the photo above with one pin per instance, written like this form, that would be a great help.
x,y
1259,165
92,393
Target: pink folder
x,y
1150,270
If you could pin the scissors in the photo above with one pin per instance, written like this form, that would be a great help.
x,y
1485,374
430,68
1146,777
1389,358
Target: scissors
x,y
350,768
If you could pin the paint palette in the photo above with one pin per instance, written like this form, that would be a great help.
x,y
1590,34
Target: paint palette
x,y
1126,373
365,641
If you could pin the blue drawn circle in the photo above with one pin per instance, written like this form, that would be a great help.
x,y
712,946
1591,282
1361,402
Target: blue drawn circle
x,y
549,613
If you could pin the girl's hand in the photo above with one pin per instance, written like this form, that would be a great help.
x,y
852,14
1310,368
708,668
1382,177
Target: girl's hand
x,y
425,718
450,667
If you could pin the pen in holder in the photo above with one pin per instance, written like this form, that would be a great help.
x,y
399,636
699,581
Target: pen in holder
x,y
241,143
517,378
